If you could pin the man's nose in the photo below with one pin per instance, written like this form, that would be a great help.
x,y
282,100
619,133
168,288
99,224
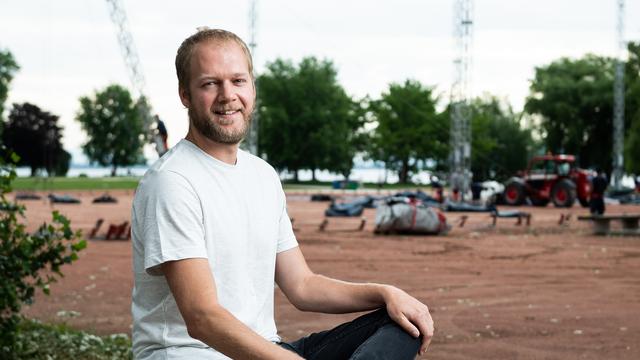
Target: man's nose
x,y
226,92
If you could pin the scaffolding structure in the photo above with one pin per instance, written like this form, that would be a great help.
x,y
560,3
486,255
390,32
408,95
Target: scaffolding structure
x,y
460,129
127,46
618,101
136,76
252,136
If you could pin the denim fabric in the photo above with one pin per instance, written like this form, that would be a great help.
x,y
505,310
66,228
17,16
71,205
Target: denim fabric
x,y
371,336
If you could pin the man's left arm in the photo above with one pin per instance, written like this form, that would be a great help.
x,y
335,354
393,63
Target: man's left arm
x,y
308,291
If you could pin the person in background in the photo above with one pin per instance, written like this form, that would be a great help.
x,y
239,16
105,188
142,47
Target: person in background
x,y
599,184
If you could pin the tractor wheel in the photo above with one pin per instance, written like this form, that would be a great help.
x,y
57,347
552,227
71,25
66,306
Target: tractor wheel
x,y
514,193
563,193
538,202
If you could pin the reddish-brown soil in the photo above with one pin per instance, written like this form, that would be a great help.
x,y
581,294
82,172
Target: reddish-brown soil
x,y
546,291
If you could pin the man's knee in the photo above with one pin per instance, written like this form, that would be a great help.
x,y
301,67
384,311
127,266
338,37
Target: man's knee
x,y
389,342
382,314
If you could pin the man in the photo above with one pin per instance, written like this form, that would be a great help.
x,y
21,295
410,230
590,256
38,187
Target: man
x,y
161,136
211,235
599,184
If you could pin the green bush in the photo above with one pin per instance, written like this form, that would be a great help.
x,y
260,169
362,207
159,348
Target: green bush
x,y
27,261
41,341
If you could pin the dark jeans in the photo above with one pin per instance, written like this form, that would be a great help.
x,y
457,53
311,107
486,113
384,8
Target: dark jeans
x,y
597,205
371,336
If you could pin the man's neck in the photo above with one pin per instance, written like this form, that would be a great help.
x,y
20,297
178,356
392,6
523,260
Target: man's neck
x,y
227,153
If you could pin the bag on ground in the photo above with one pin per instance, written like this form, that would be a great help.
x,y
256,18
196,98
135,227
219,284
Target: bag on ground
x,y
405,216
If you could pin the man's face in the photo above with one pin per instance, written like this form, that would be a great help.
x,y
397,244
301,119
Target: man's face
x,y
221,94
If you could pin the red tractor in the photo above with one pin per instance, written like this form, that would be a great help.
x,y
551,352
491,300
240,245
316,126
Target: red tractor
x,y
550,178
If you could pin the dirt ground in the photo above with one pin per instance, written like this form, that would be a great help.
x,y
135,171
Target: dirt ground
x,y
546,291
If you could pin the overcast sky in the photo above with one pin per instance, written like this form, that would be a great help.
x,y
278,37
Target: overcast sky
x,y
67,49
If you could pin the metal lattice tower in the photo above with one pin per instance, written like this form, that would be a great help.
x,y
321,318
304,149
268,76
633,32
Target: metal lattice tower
x,y
618,101
252,138
127,46
132,61
460,137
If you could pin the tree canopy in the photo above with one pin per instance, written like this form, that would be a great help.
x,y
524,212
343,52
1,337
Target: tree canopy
x,y
35,136
307,121
114,126
499,146
575,101
409,129
8,67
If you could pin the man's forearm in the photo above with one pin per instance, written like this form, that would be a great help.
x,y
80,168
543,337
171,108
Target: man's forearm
x,y
193,287
323,294
228,335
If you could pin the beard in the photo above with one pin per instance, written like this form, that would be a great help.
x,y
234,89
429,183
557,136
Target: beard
x,y
214,132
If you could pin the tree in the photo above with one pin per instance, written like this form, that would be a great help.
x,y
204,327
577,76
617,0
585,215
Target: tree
x,y
35,136
632,109
408,128
499,145
8,67
575,101
115,127
307,121
28,261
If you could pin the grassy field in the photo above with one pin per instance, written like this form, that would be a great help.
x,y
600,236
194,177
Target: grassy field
x,y
122,182
68,183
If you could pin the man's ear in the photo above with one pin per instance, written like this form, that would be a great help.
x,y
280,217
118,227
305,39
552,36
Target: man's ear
x,y
185,97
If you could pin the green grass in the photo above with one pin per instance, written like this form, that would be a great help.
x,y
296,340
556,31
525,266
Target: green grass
x,y
36,340
79,183
129,183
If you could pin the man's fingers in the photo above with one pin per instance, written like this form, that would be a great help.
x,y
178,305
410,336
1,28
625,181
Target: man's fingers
x,y
425,325
425,345
407,326
426,329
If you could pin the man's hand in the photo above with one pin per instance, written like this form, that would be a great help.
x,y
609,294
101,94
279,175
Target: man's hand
x,y
412,315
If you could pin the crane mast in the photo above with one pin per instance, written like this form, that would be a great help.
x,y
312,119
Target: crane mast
x,y
136,76
252,137
618,101
460,128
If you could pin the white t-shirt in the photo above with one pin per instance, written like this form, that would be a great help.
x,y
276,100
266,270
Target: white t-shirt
x,y
191,205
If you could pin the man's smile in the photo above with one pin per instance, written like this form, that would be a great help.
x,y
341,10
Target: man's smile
x,y
225,112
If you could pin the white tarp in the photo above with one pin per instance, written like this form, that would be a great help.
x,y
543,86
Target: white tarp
x,y
410,217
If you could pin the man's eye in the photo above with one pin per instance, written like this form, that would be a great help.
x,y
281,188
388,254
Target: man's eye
x,y
240,81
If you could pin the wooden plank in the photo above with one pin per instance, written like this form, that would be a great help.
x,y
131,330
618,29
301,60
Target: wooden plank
x,y
610,217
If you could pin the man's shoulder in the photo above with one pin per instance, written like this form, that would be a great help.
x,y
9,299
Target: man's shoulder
x,y
180,159
256,162
174,166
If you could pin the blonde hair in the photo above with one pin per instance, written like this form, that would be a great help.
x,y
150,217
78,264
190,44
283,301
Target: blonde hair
x,y
185,51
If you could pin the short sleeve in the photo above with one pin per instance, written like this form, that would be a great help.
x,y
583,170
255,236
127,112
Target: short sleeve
x,y
286,237
169,221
